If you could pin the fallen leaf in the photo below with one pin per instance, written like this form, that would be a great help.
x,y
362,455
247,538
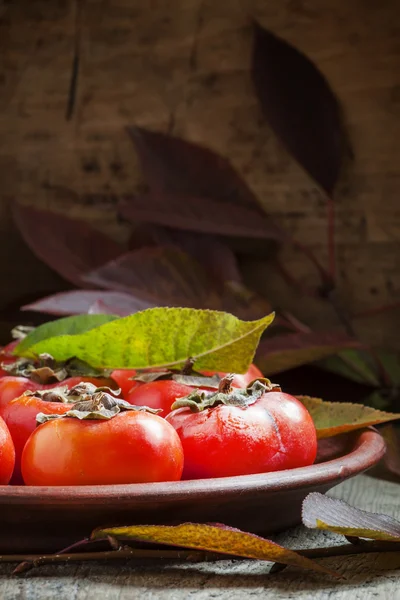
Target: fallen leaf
x,y
79,302
162,276
322,512
213,538
160,337
287,351
68,246
300,106
332,418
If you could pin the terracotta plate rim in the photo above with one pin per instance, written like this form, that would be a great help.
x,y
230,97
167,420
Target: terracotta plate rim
x,y
367,449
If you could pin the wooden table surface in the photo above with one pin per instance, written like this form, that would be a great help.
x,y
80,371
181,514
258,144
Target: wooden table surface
x,y
368,576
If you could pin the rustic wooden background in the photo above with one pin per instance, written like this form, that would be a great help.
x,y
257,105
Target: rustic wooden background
x,y
183,66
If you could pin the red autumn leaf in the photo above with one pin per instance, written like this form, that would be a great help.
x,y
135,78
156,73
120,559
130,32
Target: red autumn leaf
x,y
195,189
300,106
217,258
68,246
219,261
78,302
214,254
167,276
182,168
162,276
291,350
195,213
101,308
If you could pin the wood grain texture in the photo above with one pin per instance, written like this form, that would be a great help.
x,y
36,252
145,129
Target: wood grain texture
x,y
183,67
367,577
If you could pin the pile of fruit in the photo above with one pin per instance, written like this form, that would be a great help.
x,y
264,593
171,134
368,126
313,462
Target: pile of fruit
x,y
129,426
169,411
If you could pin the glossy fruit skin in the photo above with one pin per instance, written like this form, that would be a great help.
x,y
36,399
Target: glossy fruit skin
x,y
6,352
7,454
9,348
275,433
7,357
242,380
123,378
12,387
20,416
132,447
159,394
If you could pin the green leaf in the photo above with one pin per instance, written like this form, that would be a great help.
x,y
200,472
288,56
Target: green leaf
x,y
332,418
160,337
322,512
214,538
68,325
355,365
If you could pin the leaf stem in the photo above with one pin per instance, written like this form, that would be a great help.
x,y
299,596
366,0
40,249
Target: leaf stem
x,y
383,373
30,561
36,560
376,311
348,549
341,313
331,238
324,274
293,322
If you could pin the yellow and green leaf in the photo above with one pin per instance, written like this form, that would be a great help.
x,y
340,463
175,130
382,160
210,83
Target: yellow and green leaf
x,y
158,337
332,418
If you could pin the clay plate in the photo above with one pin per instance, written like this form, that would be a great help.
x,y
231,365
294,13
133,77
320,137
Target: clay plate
x,y
36,519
